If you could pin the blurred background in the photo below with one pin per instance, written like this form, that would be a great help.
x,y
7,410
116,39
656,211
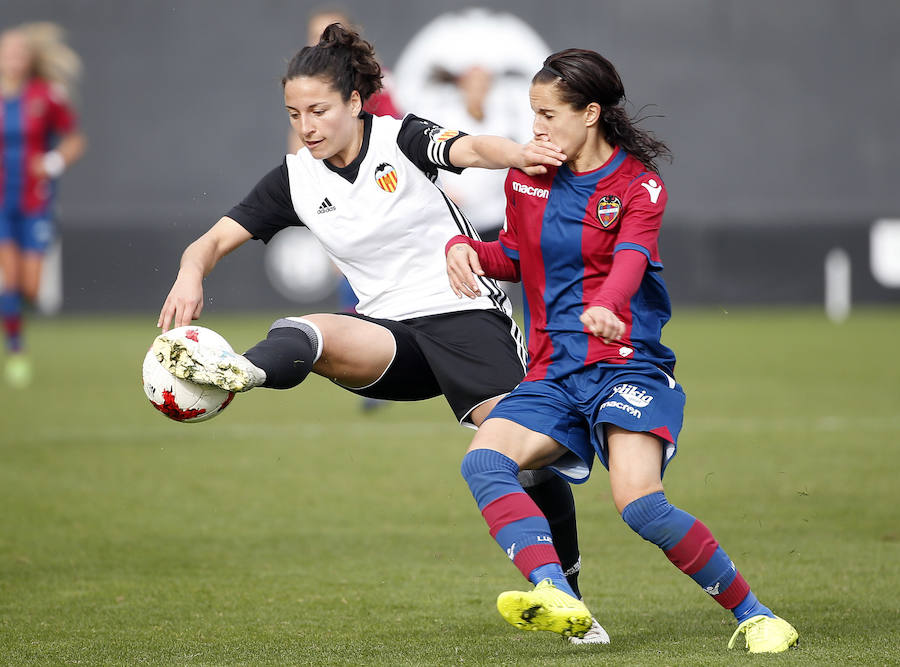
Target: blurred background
x,y
782,118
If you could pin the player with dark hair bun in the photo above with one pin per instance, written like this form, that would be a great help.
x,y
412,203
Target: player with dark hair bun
x,y
367,188
344,58
583,240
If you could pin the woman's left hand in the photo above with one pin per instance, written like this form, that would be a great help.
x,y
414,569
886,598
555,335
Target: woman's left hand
x,y
603,323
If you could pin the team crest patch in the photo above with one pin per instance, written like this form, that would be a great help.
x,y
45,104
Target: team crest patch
x,y
440,134
386,177
608,209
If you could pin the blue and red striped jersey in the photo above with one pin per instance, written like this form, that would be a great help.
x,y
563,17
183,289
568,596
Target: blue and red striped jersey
x,y
29,125
563,228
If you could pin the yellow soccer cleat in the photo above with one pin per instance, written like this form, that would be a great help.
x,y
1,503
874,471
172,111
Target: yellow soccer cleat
x,y
765,634
18,371
545,607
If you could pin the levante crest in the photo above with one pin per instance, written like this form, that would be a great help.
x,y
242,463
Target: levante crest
x,y
608,210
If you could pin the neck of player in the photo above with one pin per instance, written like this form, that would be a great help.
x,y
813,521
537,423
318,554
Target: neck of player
x,y
350,152
593,154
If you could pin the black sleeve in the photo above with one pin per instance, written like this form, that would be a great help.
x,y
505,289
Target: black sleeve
x,y
268,208
427,145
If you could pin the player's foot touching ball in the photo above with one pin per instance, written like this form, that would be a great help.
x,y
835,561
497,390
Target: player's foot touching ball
x,y
545,607
205,359
765,634
177,398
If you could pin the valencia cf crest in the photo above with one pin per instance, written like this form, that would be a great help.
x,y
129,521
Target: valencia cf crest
x,y
386,177
440,134
608,210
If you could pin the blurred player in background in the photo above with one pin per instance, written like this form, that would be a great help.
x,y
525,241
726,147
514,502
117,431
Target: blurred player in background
x,y
366,187
39,140
471,69
583,239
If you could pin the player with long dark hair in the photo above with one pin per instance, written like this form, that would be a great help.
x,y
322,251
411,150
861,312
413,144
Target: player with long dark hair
x,y
582,238
366,186
39,139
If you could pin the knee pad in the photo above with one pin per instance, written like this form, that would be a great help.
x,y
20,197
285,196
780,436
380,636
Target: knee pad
x,y
307,327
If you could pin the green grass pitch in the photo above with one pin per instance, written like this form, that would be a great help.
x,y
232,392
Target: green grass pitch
x,y
293,529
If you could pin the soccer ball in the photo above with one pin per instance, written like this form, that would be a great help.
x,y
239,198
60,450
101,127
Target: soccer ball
x,y
182,400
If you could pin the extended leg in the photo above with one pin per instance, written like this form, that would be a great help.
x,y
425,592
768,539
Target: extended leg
x,y
490,468
635,460
351,351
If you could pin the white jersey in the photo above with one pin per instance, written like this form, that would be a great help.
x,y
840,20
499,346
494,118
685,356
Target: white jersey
x,y
382,219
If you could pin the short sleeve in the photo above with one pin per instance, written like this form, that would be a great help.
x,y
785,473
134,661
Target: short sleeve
x,y
427,144
61,116
509,236
268,208
645,203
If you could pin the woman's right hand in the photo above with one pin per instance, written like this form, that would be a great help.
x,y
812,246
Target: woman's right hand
x,y
185,300
462,267
184,303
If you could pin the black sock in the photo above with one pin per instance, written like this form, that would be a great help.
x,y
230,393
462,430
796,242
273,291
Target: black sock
x,y
286,355
553,495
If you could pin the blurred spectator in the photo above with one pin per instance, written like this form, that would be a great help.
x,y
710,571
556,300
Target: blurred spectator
x,y
39,140
472,69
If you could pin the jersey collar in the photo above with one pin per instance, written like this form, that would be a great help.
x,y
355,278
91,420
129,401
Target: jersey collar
x,y
351,171
614,162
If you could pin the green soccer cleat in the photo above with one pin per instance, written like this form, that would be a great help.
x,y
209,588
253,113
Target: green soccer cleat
x,y
18,371
764,634
545,608
186,359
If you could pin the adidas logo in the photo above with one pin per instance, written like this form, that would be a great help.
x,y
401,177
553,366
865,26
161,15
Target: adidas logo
x,y
326,206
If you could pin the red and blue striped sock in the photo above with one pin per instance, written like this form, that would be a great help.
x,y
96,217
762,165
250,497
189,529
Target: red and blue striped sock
x,y
11,312
513,518
692,549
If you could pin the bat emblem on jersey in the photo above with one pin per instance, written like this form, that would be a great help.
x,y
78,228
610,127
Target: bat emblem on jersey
x,y
386,177
608,210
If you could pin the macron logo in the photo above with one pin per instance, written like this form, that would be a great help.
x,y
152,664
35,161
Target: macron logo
x,y
543,193
653,188
326,206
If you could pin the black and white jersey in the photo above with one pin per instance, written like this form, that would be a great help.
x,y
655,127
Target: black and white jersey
x,y
382,219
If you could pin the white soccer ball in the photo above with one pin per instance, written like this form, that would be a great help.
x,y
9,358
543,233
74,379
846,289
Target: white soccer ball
x,y
182,400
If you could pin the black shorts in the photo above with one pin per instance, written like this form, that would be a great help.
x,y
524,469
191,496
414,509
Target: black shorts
x,y
470,357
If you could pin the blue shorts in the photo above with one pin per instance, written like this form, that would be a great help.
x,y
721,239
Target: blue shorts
x,y
32,232
639,397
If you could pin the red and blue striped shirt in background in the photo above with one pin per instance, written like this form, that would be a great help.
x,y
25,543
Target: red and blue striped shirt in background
x,y
29,126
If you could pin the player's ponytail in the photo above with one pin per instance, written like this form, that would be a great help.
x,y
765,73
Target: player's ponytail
x,y
584,76
344,58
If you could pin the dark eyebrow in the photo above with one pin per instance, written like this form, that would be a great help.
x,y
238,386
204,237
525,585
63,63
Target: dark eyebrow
x,y
310,106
